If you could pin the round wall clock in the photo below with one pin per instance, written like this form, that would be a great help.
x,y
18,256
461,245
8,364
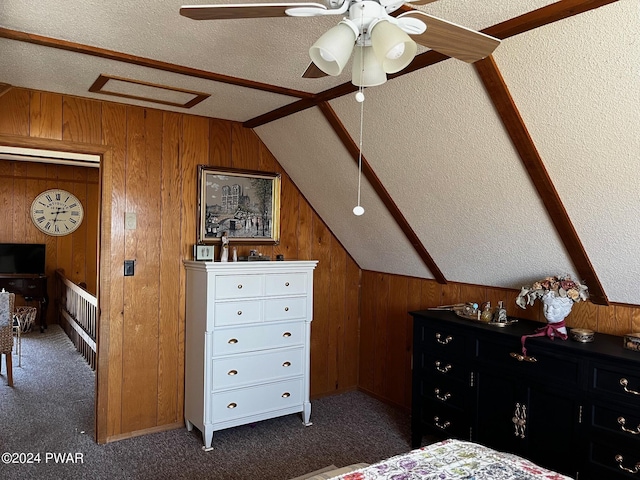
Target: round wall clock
x,y
57,212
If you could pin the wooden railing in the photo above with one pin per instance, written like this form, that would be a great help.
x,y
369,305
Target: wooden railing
x,y
77,314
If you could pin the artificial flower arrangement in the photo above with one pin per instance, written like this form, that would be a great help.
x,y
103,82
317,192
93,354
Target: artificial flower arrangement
x,y
561,286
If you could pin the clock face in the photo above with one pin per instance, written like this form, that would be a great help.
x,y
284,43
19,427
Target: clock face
x,y
57,212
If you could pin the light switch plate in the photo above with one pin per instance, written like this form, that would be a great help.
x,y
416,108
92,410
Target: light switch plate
x,y
130,221
129,268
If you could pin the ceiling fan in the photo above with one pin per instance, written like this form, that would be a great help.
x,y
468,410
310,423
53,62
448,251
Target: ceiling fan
x,y
383,43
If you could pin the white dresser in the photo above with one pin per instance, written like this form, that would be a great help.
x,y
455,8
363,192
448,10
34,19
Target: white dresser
x,y
248,329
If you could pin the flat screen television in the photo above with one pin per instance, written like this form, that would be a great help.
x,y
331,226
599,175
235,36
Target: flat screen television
x,y
22,258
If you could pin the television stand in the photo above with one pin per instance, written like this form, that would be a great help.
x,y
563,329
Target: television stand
x,y
30,287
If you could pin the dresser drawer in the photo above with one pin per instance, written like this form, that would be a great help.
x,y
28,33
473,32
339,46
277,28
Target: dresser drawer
x,y
545,365
445,391
443,367
227,341
243,402
285,308
611,459
443,342
239,286
616,382
234,313
242,370
621,420
450,422
286,284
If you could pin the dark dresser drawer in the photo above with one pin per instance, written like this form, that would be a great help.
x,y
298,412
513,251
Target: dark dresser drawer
x,y
444,342
612,460
620,420
446,391
619,382
448,420
443,366
543,364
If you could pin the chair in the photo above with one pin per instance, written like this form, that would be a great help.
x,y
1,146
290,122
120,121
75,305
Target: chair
x,y
7,301
23,318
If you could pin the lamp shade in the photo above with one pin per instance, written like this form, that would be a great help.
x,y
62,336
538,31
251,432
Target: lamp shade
x,y
332,50
367,70
392,46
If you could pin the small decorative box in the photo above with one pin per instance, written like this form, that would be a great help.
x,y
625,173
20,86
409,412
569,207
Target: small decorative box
x,y
632,341
582,335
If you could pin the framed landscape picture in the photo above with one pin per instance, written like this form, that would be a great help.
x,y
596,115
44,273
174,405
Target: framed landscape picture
x,y
243,203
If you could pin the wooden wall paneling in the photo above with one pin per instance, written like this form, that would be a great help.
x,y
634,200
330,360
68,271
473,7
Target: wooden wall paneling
x,y
114,133
194,150
14,106
7,197
321,251
381,325
46,115
583,315
140,353
431,293
336,318
397,354
350,362
635,319
220,143
79,237
305,230
92,215
415,302
170,267
81,120
21,204
245,148
367,352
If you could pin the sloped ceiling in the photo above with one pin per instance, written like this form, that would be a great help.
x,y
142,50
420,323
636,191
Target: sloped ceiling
x,y
446,191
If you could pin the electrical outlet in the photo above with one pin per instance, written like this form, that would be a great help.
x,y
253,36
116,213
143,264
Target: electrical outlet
x,y
130,221
129,268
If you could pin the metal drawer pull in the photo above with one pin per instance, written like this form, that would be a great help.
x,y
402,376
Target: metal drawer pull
x,y
286,395
232,405
441,426
446,341
444,369
286,334
286,284
624,382
622,422
442,398
232,372
286,309
523,358
233,340
520,420
619,459
239,312
240,286
286,364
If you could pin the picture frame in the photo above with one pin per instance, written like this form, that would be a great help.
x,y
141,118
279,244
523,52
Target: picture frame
x,y
204,253
243,203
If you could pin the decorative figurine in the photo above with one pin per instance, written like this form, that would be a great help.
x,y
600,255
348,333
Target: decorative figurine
x,y
501,314
224,248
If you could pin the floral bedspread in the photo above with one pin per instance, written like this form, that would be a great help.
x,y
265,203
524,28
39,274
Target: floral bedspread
x,y
453,459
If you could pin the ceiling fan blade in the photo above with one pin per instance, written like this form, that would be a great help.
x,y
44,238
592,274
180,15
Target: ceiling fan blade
x,y
313,71
453,40
419,2
241,10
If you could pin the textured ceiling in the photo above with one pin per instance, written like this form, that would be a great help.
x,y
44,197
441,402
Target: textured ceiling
x,y
432,137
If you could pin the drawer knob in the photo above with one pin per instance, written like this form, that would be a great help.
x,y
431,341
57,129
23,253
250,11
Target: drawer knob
x,y
286,309
620,459
232,372
240,286
523,358
624,382
442,426
239,312
286,395
286,334
447,340
442,398
233,340
622,422
286,364
286,284
232,405
446,369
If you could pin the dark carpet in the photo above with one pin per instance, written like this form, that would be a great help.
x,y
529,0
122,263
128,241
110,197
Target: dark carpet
x,y
48,418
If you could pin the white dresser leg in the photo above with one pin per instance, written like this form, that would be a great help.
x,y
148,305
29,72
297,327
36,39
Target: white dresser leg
x,y
306,414
189,425
207,438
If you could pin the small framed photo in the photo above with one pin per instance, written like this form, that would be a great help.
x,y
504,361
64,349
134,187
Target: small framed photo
x,y
244,204
205,253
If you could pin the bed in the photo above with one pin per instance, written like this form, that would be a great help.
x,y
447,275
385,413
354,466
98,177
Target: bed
x,y
453,459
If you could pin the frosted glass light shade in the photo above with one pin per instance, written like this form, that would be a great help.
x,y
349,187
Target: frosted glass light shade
x,y
392,46
367,70
332,50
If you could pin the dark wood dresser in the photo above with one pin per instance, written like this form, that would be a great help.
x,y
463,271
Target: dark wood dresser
x,y
573,407
31,287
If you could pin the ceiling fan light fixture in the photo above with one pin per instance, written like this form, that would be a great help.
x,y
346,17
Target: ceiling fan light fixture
x,y
367,71
332,50
392,46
